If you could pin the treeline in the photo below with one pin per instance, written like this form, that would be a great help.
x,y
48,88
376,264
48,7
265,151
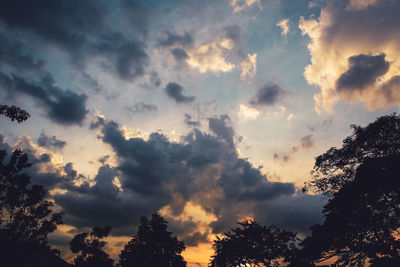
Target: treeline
x,y
360,180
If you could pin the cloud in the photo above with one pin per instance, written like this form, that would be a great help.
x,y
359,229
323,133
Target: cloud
x,y
307,142
211,56
50,142
175,91
202,169
62,106
190,122
141,107
239,5
284,25
174,39
363,71
179,54
361,4
343,49
248,112
249,67
268,95
80,28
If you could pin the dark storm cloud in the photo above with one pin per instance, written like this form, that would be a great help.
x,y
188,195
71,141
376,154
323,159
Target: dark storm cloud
x,y
175,91
141,107
363,71
62,106
161,172
80,28
51,142
190,122
173,39
268,95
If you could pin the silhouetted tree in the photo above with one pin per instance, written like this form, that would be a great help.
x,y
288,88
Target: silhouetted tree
x,y
362,183
91,248
26,217
153,245
253,244
14,113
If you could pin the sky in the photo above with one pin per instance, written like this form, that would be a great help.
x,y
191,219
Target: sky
x,y
208,112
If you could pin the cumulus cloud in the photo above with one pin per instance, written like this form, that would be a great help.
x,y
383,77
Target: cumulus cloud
x,y
51,142
239,5
175,91
249,67
211,56
284,25
343,49
248,112
268,95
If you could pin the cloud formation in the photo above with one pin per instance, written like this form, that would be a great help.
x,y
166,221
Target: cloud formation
x,y
141,107
239,5
268,95
50,142
249,67
368,53
284,25
175,91
80,29
62,106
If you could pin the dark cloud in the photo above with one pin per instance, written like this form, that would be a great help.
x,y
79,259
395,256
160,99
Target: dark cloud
x,y
173,39
190,122
363,72
141,107
179,54
220,127
268,95
156,172
104,159
175,91
62,106
233,32
80,29
51,142
12,52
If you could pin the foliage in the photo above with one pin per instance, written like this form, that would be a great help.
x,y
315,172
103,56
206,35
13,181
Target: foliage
x,y
253,244
91,248
14,113
153,245
337,166
26,217
362,216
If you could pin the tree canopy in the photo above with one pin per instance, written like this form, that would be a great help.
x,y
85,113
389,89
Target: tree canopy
x,y
253,244
26,217
91,248
14,113
153,245
361,181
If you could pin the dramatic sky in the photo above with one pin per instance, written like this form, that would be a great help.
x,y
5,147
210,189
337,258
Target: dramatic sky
x,y
207,111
